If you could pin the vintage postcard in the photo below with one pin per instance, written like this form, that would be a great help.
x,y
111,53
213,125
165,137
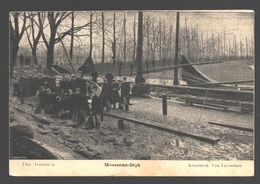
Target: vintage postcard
x,y
132,93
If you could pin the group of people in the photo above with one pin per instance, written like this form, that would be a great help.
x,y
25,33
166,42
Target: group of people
x,y
114,92
27,86
57,96
74,102
72,95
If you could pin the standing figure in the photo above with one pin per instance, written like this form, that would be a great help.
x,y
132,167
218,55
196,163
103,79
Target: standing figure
x,y
62,85
107,91
23,88
94,76
72,83
115,94
125,91
42,96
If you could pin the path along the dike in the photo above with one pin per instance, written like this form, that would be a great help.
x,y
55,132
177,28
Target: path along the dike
x,y
195,114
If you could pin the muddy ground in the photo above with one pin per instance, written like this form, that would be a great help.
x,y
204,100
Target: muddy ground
x,y
68,140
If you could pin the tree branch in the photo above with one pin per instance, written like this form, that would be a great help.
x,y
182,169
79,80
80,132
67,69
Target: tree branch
x,y
29,40
23,28
62,17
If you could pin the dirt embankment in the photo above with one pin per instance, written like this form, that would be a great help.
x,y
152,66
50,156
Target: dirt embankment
x,y
67,140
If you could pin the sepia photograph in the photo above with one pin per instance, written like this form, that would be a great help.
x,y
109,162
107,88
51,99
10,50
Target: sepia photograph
x,y
124,92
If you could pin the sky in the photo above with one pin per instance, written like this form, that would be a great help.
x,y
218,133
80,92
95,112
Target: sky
x,y
239,23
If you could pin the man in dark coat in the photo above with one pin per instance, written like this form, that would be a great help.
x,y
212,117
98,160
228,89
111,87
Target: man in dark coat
x,y
125,91
23,88
107,91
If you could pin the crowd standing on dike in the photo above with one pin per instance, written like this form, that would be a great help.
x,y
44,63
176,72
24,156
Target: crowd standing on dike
x,y
80,99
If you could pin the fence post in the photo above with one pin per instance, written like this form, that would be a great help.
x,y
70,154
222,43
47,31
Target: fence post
x,y
164,104
121,124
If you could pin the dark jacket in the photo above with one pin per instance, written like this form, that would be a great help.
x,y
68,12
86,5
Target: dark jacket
x,y
125,89
107,92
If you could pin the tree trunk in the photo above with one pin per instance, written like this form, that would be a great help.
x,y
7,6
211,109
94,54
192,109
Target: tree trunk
x,y
72,35
212,45
241,49
90,35
253,47
103,39
235,47
14,47
50,55
148,42
160,40
124,38
224,46
218,45
134,60
114,40
154,47
13,54
15,37
34,54
175,78
139,77
164,45
202,47
246,48
170,46
187,37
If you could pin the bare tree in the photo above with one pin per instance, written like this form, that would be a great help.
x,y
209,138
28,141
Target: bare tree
x,y
175,77
49,37
134,32
148,41
114,40
139,77
124,38
15,36
160,40
155,41
170,45
34,35
72,35
247,55
164,44
90,36
54,20
187,37
103,38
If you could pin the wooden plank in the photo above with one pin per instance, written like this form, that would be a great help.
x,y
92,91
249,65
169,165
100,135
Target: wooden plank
x,y
171,67
232,126
200,88
212,92
211,140
69,59
219,103
215,83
